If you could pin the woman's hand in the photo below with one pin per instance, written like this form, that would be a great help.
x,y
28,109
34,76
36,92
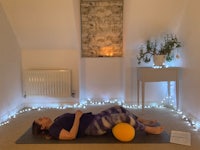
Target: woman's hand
x,y
70,135
79,113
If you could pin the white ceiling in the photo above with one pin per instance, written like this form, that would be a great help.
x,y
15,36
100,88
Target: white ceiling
x,y
44,24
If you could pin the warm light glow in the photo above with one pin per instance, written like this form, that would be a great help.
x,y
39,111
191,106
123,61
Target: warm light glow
x,y
107,51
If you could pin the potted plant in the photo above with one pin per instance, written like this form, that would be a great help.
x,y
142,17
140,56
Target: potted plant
x,y
163,49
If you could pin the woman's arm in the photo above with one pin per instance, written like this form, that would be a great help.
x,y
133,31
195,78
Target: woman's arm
x,y
70,135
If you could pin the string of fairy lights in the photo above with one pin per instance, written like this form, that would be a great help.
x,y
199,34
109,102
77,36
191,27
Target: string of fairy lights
x,y
167,102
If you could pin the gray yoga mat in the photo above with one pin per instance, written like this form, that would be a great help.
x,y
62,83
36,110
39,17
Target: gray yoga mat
x,y
140,137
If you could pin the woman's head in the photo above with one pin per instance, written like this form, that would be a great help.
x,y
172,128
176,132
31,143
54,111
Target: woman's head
x,y
36,129
41,126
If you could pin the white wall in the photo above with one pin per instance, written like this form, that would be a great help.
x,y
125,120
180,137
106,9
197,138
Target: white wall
x,y
50,38
101,78
10,70
60,59
143,20
190,30
139,25
43,24
55,41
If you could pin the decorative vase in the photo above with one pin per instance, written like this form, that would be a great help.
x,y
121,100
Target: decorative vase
x,y
159,60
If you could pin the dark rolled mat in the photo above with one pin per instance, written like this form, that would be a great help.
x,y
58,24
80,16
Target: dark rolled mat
x,y
140,137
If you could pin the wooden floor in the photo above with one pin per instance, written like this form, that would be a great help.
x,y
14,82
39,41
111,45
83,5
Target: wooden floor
x,y
170,120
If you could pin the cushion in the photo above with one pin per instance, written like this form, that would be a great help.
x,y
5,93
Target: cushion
x,y
124,132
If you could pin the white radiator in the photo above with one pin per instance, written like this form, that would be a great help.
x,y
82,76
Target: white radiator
x,y
47,82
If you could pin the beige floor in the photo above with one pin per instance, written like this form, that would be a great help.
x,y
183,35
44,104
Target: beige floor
x,y
170,120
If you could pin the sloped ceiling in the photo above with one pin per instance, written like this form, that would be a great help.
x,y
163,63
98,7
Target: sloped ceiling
x,y
55,24
44,24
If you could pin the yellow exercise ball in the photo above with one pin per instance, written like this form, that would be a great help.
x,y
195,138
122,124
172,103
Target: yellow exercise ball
x,y
124,132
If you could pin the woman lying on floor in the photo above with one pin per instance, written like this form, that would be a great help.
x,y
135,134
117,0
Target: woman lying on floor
x,y
70,126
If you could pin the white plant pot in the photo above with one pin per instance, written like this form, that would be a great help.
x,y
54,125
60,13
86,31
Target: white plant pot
x,y
159,60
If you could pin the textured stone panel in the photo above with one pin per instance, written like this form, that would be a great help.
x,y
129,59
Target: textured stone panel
x,y
102,28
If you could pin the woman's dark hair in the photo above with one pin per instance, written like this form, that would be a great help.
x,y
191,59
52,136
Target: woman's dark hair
x,y
36,128
37,131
